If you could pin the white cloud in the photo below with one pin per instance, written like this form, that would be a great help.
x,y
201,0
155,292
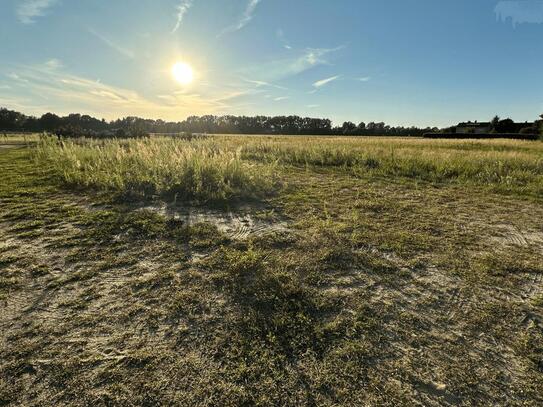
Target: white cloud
x,y
29,10
323,82
312,106
245,19
364,79
121,50
281,98
520,11
182,8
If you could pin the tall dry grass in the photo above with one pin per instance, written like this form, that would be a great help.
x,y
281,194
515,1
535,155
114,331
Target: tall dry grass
x,y
239,167
188,170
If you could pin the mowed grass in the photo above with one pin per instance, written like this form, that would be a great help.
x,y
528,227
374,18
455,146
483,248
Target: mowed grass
x,y
224,168
19,138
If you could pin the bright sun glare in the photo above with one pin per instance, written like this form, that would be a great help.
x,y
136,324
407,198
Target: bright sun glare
x,y
182,73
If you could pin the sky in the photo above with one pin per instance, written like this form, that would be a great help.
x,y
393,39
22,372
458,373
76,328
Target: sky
x,y
403,62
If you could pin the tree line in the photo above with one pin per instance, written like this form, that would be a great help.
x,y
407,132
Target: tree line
x,y
84,125
77,124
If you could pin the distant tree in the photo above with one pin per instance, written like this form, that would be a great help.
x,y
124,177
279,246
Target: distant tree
x,y
11,120
495,122
348,128
50,122
506,126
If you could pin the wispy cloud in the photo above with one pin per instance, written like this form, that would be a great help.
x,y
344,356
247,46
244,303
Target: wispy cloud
x,y
182,8
286,67
281,98
264,83
520,11
13,76
246,17
121,50
282,39
323,82
364,79
312,106
311,57
232,95
29,10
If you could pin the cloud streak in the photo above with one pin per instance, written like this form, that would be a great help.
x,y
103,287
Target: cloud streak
x,y
182,9
121,50
264,83
323,82
284,68
282,39
245,19
29,10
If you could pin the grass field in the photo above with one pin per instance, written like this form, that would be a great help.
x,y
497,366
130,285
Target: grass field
x,y
271,271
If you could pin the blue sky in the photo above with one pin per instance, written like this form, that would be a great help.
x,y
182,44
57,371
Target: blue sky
x,y
409,62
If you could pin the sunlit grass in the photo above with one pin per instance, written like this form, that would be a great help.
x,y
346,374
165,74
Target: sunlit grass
x,y
239,167
507,165
186,170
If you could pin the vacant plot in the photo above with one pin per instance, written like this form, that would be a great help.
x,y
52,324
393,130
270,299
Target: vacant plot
x,y
271,271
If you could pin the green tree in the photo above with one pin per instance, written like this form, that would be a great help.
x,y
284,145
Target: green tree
x,y
348,128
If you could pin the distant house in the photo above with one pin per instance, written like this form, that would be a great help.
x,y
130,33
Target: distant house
x,y
473,127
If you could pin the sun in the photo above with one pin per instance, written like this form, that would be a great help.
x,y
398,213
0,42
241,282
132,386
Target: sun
x,y
182,73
